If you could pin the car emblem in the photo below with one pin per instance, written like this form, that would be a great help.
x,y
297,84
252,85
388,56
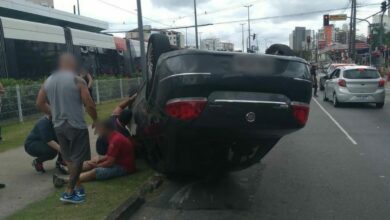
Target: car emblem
x,y
250,117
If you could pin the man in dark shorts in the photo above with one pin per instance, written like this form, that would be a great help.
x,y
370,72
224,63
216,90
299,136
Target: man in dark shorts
x,y
118,161
313,72
64,96
42,143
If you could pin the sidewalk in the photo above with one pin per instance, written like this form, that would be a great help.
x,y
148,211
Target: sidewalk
x,y
23,184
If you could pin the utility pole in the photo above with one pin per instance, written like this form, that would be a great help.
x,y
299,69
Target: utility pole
x,y
78,7
196,26
186,39
352,32
249,27
141,40
243,38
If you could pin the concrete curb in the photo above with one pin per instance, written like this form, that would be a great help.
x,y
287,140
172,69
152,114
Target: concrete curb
x,y
131,205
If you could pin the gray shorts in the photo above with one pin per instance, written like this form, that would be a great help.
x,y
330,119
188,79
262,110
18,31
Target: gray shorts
x,y
74,143
105,173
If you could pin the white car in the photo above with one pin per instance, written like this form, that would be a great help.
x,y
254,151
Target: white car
x,y
355,84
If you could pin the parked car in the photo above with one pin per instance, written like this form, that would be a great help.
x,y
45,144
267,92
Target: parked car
x,y
355,84
329,71
201,111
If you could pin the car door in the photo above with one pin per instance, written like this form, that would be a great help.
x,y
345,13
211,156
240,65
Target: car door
x,y
334,81
329,84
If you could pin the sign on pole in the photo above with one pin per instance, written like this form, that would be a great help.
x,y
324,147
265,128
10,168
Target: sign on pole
x,y
339,17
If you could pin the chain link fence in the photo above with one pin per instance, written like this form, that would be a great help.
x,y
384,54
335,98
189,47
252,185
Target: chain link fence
x,y
19,101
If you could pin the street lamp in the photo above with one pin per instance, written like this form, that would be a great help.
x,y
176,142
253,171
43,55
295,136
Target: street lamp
x,y
249,27
141,40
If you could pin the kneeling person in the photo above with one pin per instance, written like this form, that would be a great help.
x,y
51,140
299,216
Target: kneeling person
x,y
42,144
118,161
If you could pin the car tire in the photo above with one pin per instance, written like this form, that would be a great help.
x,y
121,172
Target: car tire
x,y
379,105
322,88
280,49
158,44
336,103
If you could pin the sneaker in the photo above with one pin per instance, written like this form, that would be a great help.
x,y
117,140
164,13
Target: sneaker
x,y
80,191
58,182
38,166
73,198
61,167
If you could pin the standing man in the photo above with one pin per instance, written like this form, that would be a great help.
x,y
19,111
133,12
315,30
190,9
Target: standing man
x,y
63,96
313,72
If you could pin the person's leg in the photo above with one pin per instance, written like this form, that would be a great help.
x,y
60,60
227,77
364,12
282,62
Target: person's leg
x,y
42,152
75,169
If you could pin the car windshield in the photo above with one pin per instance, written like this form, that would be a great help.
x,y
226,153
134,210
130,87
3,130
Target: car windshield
x,y
361,74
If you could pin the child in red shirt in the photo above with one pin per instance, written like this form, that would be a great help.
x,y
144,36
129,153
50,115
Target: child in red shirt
x,y
119,160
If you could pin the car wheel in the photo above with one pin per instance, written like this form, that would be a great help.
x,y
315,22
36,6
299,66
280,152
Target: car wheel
x,y
158,45
322,88
280,49
336,103
379,105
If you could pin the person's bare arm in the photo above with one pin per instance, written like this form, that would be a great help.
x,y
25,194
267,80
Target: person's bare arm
x,y
108,162
90,106
90,80
41,102
128,101
54,145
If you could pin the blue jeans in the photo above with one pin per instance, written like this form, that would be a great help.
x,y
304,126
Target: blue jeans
x,y
105,173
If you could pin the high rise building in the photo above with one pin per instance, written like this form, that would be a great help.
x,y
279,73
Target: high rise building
x,y
298,38
46,3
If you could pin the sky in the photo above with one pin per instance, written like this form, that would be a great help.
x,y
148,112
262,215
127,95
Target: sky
x,y
176,13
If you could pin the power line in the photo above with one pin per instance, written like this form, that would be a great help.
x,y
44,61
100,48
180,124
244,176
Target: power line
x,y
205,13
285,16
131,12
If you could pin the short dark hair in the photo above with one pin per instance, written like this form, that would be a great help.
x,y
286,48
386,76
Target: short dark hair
x,y
125,117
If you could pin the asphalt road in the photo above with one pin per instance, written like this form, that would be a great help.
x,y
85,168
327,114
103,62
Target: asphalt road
x,y
332,169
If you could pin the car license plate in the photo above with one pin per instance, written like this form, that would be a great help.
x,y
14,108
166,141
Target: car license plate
x,y
362,97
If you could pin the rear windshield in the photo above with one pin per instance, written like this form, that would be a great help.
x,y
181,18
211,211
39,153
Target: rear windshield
x,y
361,74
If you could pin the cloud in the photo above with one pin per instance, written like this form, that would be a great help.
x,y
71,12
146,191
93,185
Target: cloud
x,y
172,4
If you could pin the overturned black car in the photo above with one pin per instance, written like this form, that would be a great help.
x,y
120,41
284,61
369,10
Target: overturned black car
x,y
202,111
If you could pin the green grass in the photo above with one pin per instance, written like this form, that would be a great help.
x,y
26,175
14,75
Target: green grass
x,y
102,198
14,134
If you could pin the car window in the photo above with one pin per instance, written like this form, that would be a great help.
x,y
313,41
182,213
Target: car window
x,y
335,74
361,74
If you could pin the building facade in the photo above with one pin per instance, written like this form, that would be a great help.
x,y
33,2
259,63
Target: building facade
x,y
298,38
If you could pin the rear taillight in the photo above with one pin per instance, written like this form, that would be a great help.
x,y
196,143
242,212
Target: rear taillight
x,y
342,83
382,83
301,112
185,108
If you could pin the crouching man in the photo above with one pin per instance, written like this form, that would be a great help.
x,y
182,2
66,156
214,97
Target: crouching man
x,y
118,161
42,144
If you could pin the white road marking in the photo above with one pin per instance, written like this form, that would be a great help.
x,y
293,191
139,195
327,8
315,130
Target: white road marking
x,y
336,123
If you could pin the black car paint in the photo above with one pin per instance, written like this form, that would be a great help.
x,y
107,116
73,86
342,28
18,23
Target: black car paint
x,y
176,146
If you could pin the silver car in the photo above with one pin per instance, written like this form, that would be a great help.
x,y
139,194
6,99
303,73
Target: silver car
x,y
355,84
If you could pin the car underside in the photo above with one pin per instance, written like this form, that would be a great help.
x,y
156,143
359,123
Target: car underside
x,y
201,111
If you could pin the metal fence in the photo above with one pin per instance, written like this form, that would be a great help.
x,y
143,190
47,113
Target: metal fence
x,y
19,101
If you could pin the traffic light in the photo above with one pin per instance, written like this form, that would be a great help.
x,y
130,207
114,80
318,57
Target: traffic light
x,y
384,6
326,20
